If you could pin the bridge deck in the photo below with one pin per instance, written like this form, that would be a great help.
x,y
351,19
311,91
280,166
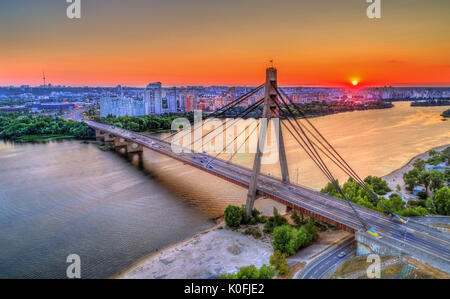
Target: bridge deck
x,y
316,204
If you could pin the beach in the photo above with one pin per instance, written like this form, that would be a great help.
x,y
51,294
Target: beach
x,y
396,177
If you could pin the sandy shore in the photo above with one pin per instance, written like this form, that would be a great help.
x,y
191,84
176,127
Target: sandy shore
x,y
205,255
396,177
217,251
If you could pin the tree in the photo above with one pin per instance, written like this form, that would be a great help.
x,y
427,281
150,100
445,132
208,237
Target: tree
x,y
252,272
288,239
297,219
266,272
274,221
412,212
395,203
411,179
379,185
441,200
330,189
425,179
282,236
437,179
277,259
419,164
233,216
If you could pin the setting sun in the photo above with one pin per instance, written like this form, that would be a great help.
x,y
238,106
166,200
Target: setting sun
x,y
355,82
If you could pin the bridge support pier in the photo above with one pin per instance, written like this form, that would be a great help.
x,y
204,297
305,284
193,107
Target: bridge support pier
x,y
119,144
99,135
134,148
109,140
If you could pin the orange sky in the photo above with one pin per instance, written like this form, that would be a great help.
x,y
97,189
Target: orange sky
x,y
180,42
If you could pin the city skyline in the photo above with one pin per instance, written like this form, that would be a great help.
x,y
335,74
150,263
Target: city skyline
x,y
199,42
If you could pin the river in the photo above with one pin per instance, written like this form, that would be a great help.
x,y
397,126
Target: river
x,y
67,197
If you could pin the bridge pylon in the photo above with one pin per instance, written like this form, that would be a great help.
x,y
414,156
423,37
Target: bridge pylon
x,y
270,112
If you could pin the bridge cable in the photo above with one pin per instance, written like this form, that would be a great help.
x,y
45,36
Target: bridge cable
x,y
228,107
318,161
244,113
232,142
337,160
245,141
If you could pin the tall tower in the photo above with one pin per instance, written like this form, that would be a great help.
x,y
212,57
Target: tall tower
x,y
270,111
153,99
43,78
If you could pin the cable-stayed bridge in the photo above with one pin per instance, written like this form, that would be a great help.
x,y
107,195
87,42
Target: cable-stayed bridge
x,y
375,232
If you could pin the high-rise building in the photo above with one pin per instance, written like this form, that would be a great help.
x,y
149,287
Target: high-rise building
x,y
122,106
153,99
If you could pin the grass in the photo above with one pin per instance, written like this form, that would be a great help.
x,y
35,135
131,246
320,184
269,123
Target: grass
x,y
35,138
353,265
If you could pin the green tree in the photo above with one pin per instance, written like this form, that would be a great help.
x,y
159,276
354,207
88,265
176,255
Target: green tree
x,y
441,199
330,189
274,221
233,216
282,236
411,179
266,272
419,164
297,218
252,272
437,179
425,179
379,185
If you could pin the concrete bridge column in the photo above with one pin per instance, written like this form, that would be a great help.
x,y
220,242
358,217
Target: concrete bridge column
x,y
120,143
99,135
109,140
270,111
134,147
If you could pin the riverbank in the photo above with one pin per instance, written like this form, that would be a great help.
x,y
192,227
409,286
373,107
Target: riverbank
x,y
396,177
221,250
43,138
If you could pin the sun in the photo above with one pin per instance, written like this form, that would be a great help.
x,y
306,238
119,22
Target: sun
x,y
355,82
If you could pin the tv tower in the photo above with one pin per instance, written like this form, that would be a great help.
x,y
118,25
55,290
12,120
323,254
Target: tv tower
x,y
43,77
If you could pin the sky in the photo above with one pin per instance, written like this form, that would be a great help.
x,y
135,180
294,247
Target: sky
x,y
225,42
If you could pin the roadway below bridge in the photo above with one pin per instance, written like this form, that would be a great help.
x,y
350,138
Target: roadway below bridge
x,y
329,261
409,237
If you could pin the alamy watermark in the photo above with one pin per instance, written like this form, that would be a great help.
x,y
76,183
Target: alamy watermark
x,y
74,9
374,269
374,9
74,269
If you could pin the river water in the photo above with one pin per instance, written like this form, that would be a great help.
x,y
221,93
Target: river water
x,y
67,197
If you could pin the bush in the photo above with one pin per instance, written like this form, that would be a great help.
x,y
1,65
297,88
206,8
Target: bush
x,y
411,212
379,185
282,236
297,219
289,240
266,272
278,261
422,195
252,272
233,216
277,258
274,221
441,200
283,270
